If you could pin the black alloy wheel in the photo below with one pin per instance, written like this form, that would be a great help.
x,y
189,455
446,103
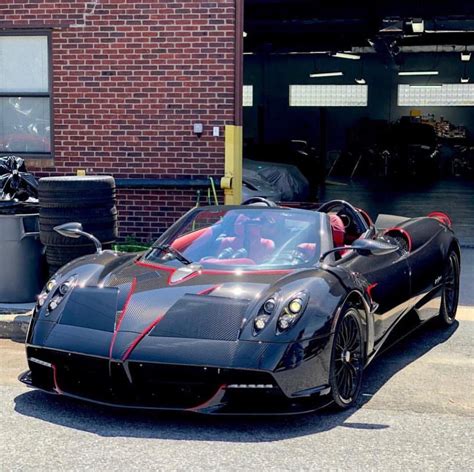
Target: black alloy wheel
x,y
347,360
450,296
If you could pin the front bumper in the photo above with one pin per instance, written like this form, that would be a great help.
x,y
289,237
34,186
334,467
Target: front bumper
x,y
148,385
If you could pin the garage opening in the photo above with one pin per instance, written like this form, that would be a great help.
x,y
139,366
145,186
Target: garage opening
x,y
369,104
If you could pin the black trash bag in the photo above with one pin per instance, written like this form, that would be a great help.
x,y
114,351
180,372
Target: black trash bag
x,y
15,182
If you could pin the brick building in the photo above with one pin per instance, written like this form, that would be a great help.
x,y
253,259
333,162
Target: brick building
x,y
115,87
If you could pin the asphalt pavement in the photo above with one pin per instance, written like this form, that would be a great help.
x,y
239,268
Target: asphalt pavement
x,y
416,413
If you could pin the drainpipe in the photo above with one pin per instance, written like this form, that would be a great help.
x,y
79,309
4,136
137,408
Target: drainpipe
x,y
232,180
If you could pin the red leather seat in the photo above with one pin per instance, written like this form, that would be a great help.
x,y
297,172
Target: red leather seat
x,y
338,230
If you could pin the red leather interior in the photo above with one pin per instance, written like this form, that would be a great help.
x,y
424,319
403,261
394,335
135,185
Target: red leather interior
x,y
338,230
184,241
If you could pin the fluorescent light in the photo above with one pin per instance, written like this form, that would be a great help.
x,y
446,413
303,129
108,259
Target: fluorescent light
x,y
419,72
464,80
418,25
465,56
346,55
360,81
326,74
425,86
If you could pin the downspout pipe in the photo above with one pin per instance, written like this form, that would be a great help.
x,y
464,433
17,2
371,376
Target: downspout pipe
x,y
165,183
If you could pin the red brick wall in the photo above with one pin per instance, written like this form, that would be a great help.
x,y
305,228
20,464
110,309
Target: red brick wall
x,y
129,80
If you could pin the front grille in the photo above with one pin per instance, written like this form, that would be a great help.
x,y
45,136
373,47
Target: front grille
x,y
152,385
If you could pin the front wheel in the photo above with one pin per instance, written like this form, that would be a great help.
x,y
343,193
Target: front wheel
x,y
347,360
450,296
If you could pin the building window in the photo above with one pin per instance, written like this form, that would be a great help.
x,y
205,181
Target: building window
x,y
248,96
328,95
445,95
25,95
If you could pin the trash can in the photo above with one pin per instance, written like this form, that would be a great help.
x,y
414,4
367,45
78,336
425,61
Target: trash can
x,y
22,268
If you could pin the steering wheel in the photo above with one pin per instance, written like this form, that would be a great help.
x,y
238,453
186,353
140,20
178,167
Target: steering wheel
x,y
352,213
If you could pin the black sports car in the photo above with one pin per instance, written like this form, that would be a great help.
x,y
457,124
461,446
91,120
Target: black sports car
x,y
241,309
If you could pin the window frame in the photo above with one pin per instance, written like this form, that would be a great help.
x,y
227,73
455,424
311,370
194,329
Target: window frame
x,y
49,94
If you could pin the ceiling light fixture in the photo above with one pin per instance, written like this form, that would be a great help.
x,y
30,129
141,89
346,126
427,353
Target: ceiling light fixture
x,y
465,56
419,72
326,74
418,25
425,86
346,55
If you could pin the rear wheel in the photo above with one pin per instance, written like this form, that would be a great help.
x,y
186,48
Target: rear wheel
x,y
450,296
347,360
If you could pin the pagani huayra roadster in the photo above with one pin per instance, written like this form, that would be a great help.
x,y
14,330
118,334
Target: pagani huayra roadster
x,y
241,309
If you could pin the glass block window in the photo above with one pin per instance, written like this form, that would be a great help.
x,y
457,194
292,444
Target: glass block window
x,y
328,95
25,95
248,96
446,95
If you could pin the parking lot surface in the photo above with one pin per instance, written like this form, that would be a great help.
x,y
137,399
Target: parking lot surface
x,y
416,412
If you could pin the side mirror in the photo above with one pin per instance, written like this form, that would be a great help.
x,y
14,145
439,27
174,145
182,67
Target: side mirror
x,y
373,246
70,230
364,247
75,230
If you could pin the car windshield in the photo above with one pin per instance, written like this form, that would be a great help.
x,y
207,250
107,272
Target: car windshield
x,y
250,237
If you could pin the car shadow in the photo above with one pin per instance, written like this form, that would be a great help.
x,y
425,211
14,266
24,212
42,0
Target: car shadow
x,y
110,422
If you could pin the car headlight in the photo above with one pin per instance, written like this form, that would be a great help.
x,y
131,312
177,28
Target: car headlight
x,y
265,313
50,286
292,311
56,291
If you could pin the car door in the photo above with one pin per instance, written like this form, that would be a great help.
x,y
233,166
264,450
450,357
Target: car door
x,y
388,276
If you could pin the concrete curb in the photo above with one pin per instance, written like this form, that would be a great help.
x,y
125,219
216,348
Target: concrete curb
x,y
14,326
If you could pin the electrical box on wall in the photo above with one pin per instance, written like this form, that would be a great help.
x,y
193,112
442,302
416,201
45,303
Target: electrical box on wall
x,y
198,128
216,131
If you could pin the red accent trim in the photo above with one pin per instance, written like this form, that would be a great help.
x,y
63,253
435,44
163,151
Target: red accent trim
x,y
245,272
55,380
209,290
370,288
366,216
210,401
125,307
153,265
404,233
140,337
441,217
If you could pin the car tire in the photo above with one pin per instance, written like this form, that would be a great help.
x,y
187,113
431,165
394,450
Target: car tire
x,y
347,359
450,295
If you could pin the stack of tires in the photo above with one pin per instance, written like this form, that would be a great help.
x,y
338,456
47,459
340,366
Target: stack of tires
x,y
86,200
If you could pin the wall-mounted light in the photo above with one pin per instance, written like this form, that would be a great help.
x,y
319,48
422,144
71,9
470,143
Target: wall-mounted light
x,y
419,72
465,56
325,74
346,55
418,25
464,80
361,81
245,34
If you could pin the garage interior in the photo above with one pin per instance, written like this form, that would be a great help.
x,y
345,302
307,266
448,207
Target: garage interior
x,y
371,103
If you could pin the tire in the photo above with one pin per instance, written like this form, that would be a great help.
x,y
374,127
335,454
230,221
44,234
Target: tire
x,y
76,201
76,182
347,359
72,214
51,238
450,295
